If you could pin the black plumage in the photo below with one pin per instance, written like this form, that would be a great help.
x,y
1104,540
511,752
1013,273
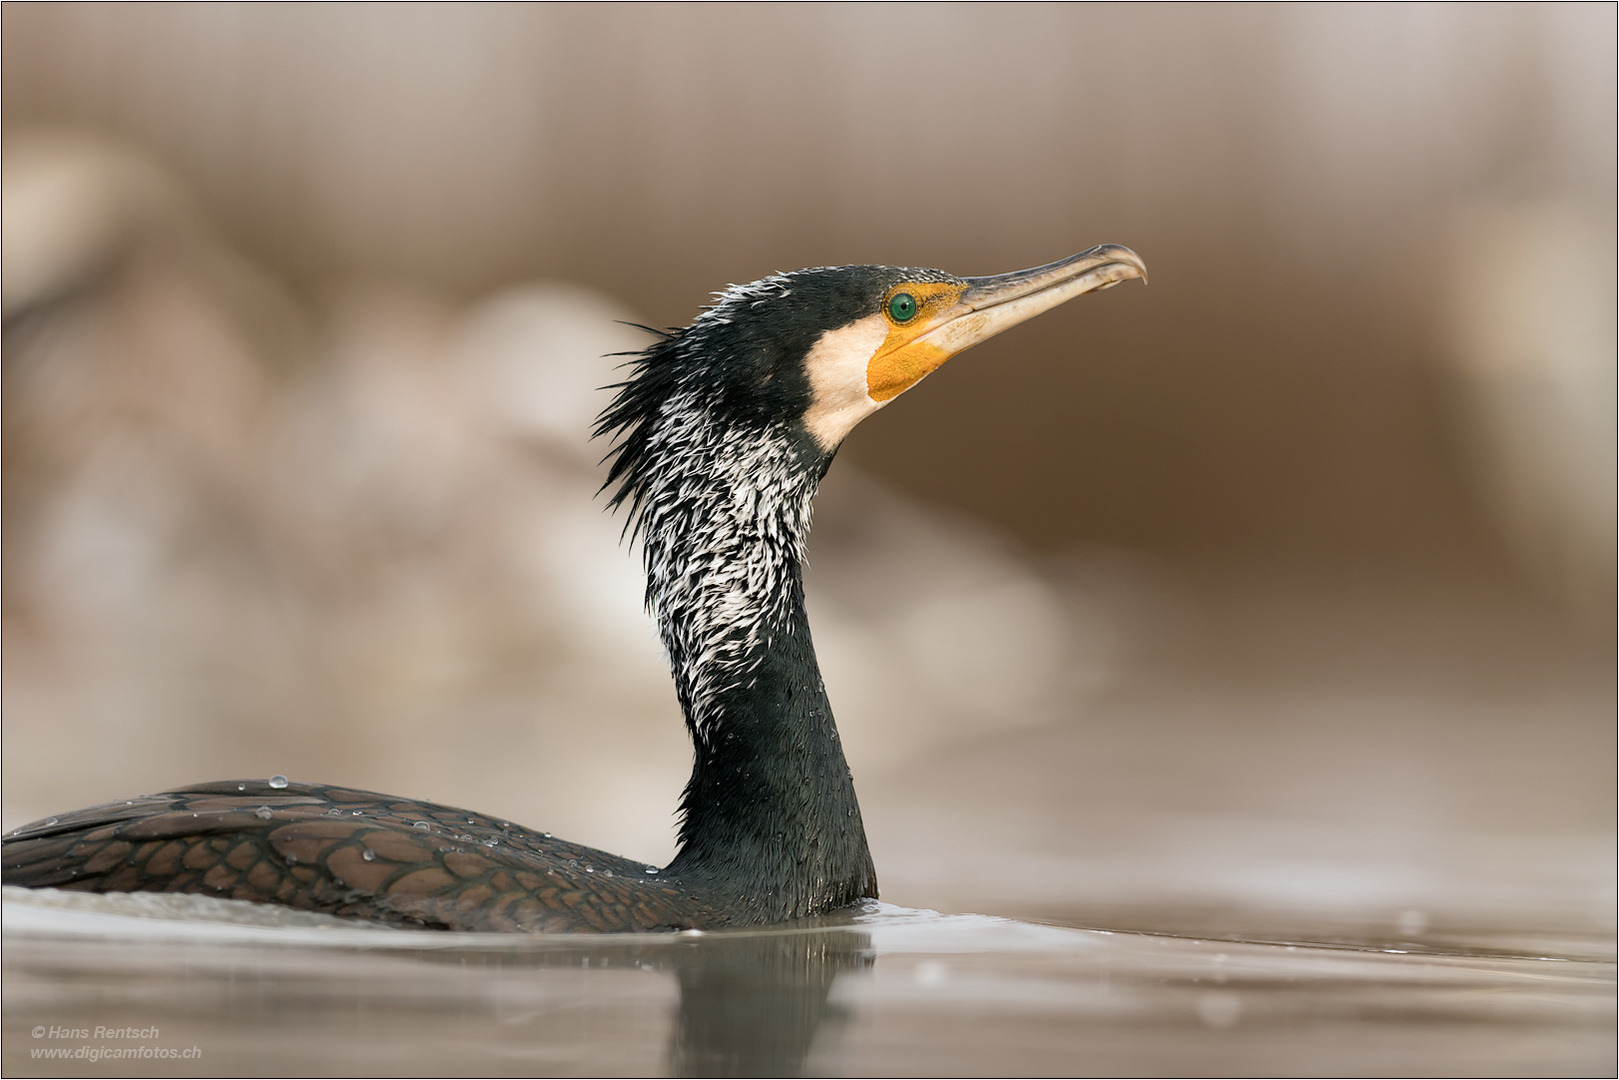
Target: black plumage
x,y
722,434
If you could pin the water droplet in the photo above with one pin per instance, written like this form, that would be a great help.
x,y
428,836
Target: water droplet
x,y
607,873
292,860
691,933
424,824
356,813
546,835
278,781
490,843
652,869
264,813
51,820
334,812
337,881
589,869
368,855
241,787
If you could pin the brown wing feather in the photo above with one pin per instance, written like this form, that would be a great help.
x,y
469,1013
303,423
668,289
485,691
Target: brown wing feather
x,y
349,853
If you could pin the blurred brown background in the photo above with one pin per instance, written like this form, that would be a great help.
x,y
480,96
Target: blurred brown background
x,y
294,463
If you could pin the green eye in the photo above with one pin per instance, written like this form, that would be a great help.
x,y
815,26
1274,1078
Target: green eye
x,y
902,307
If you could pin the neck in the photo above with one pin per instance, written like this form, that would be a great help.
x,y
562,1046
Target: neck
x,y
769,818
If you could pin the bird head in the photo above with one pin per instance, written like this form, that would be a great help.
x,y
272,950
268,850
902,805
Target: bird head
x,y
906,323
807,355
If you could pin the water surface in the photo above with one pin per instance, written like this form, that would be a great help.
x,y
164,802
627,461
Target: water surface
x,y
886,992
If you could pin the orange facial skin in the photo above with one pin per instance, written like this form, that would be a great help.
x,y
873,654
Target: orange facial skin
x,y
902,360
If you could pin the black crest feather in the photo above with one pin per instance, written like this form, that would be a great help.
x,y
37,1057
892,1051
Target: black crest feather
x,y
630,420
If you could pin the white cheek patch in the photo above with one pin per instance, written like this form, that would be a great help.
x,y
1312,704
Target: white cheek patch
x,y
837,374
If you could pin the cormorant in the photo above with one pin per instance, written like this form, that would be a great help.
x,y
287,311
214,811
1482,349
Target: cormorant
x,y
723,432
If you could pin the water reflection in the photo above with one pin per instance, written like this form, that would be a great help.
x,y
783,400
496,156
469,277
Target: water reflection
x,y
751,1004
